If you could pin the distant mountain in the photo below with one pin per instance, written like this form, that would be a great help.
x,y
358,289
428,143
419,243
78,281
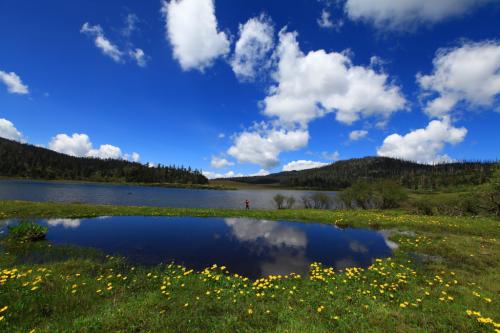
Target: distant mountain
x,y
412,175
28,161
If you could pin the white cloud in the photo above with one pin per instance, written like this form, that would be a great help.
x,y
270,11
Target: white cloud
x,y
13,83
407,14
9,131
309,86
231,174
302,165
423,145
251,54
135,157
80,145
263,145
219,162
130,24
101,42
358,134
191,28
75,145
214,175
106,152
139,56
261,172
221,135
325,21
470,73
334,156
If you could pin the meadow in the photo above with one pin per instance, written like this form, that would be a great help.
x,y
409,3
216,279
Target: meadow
x,y
442,278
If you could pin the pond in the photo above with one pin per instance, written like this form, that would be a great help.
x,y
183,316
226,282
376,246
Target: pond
x,y
131,195
249,247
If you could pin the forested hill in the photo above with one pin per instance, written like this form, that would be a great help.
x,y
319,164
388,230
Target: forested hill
x,y
27,161
412,175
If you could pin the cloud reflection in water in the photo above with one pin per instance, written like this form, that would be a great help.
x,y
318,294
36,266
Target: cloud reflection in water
x,y
284,247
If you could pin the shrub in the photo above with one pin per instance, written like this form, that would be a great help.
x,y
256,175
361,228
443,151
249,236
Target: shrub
x,y
383,194
289,202
320,200
389,194
306,201
283,202
358,195
423,207
279,200
491,195
28,231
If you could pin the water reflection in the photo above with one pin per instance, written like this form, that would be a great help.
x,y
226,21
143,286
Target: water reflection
x,y
67,223
272,233
249,247
284,246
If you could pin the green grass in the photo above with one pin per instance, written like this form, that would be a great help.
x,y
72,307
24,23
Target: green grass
x,y
406,293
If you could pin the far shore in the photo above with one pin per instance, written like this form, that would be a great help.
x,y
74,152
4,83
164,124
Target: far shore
x,y
216,184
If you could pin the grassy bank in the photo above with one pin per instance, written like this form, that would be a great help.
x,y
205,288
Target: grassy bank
x,y
443,277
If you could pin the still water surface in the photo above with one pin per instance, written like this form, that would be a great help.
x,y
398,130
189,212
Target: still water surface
x,y
249,247
108,194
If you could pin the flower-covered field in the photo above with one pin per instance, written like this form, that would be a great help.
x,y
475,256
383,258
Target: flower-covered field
x,y
442,278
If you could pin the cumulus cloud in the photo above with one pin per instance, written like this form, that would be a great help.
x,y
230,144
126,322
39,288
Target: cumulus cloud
x,y
215,175
252,49
106,152
13,83
191,29
9,131
423,145
220,162
470,74
101,42
134,157
75,145
79,145
303,165
231,174
311,85
407,14
358,134
263,145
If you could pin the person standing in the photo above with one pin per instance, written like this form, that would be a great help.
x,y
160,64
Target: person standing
x,y
247,204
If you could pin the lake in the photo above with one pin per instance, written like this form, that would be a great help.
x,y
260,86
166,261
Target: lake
x,y
110,194
249,247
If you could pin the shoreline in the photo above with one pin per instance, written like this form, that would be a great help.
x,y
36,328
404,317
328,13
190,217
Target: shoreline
x,y
442,277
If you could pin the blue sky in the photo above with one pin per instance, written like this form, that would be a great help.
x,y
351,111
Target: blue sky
x,y
235,87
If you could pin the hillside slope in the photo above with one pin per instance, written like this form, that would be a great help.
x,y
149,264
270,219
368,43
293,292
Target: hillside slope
x,y
28,161
412,175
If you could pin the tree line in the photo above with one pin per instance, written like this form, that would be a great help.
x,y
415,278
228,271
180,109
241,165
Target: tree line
x,y
28,161
411,175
